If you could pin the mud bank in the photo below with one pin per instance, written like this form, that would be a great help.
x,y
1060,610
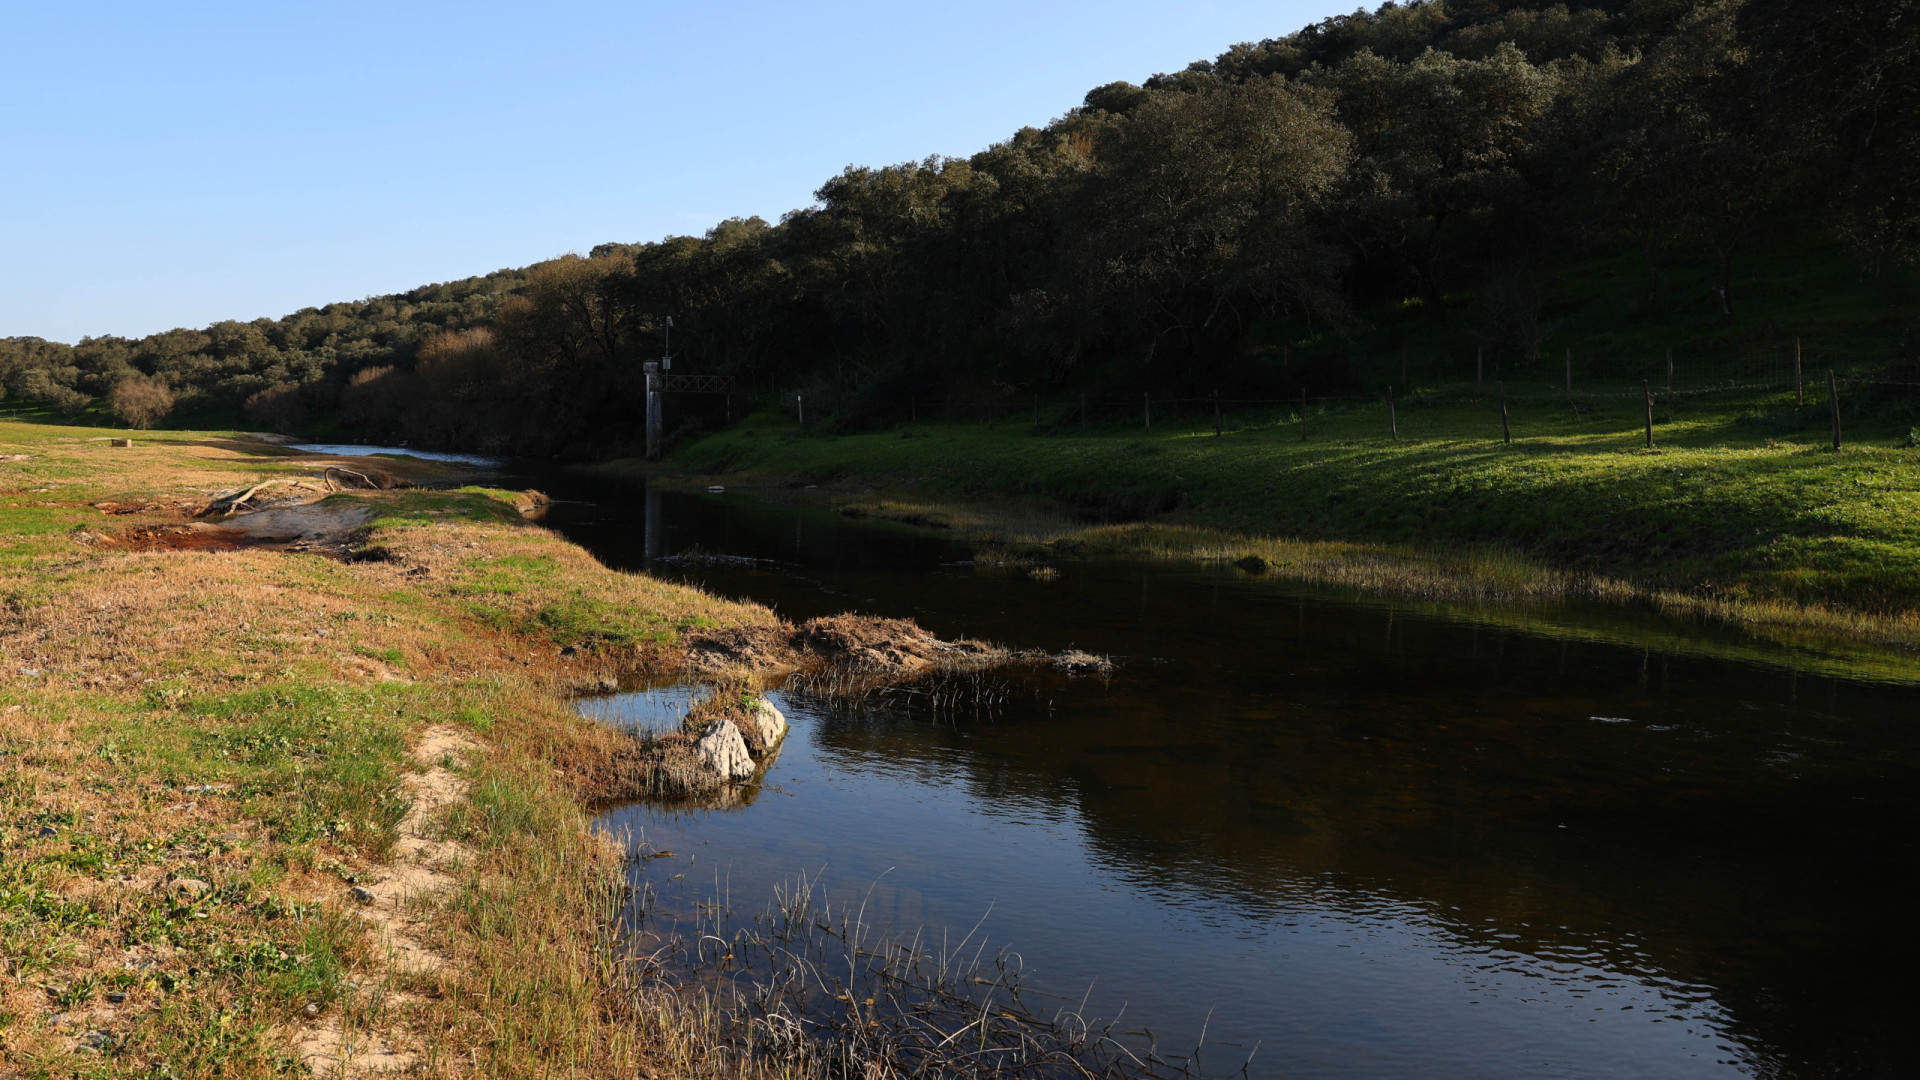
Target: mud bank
x,y
865,645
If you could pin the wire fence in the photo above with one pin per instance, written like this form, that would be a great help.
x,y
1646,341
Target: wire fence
x,y
1149,408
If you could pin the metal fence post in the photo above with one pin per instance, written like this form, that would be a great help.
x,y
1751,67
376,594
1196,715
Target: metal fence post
x,y
654,394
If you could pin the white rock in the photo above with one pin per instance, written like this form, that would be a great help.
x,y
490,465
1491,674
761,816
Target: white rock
x,y
765,727
725,752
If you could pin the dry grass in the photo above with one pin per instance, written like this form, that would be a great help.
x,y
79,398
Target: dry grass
x,y
202,753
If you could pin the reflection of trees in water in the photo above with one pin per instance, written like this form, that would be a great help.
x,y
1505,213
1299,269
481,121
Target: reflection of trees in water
x,y
1290,743
1723,837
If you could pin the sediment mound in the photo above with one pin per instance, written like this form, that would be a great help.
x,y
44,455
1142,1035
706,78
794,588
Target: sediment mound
x,y
757,647
862,643
870,644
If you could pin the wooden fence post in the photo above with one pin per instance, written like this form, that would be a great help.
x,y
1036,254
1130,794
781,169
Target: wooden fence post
x,y
1649,390
1799,384
1506,426
1833,405
1393,419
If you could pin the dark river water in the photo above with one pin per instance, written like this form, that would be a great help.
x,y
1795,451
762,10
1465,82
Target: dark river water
x,y
1368,840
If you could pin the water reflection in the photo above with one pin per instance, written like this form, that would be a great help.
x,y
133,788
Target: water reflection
x,y
364,450
1370,840
653,711
1329,976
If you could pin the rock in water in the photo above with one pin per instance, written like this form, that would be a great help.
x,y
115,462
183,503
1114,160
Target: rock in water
x,y
763,728
724,751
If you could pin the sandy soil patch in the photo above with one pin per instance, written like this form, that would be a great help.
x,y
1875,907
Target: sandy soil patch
x,y
422,867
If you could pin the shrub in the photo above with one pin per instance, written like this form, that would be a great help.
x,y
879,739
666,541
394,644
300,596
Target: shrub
x,y
373,398
66,401
141,401
279,407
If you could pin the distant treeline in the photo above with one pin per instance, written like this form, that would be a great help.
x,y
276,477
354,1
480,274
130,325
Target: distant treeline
x,y
1420,153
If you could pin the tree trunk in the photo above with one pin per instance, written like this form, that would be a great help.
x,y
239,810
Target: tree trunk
x,y
1430,297
1726,281
1653,270
1421,263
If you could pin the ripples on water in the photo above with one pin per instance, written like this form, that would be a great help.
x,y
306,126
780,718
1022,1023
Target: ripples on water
x,y
1323,976
653,711
1365,842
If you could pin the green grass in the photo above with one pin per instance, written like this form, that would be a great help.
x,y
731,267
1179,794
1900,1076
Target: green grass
x,y
1742,500
1742,513
317,766
425,508
1717,505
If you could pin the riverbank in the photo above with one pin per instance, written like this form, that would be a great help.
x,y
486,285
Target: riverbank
x,y
314,799
1740,514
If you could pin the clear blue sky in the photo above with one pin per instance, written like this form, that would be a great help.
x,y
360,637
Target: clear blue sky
x,y
174,164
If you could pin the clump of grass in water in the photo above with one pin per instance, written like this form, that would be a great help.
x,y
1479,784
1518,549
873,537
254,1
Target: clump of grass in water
x,y
812,990
940,691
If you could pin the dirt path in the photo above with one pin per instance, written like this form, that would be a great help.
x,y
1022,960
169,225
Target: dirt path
x,y
394,905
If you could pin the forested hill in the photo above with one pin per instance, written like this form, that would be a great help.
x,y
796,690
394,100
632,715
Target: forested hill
x,y
1472,177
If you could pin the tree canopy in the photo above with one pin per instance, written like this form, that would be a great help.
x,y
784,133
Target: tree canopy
x,y
1422,152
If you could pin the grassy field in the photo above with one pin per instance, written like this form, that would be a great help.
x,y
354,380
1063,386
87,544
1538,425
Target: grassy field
x,y
203,755
1741,511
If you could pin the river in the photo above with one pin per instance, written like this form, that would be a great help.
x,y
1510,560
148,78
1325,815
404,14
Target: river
x,y
1349,838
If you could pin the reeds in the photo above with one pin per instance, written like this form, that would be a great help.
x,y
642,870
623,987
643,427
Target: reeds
x,y
943,692
808,988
